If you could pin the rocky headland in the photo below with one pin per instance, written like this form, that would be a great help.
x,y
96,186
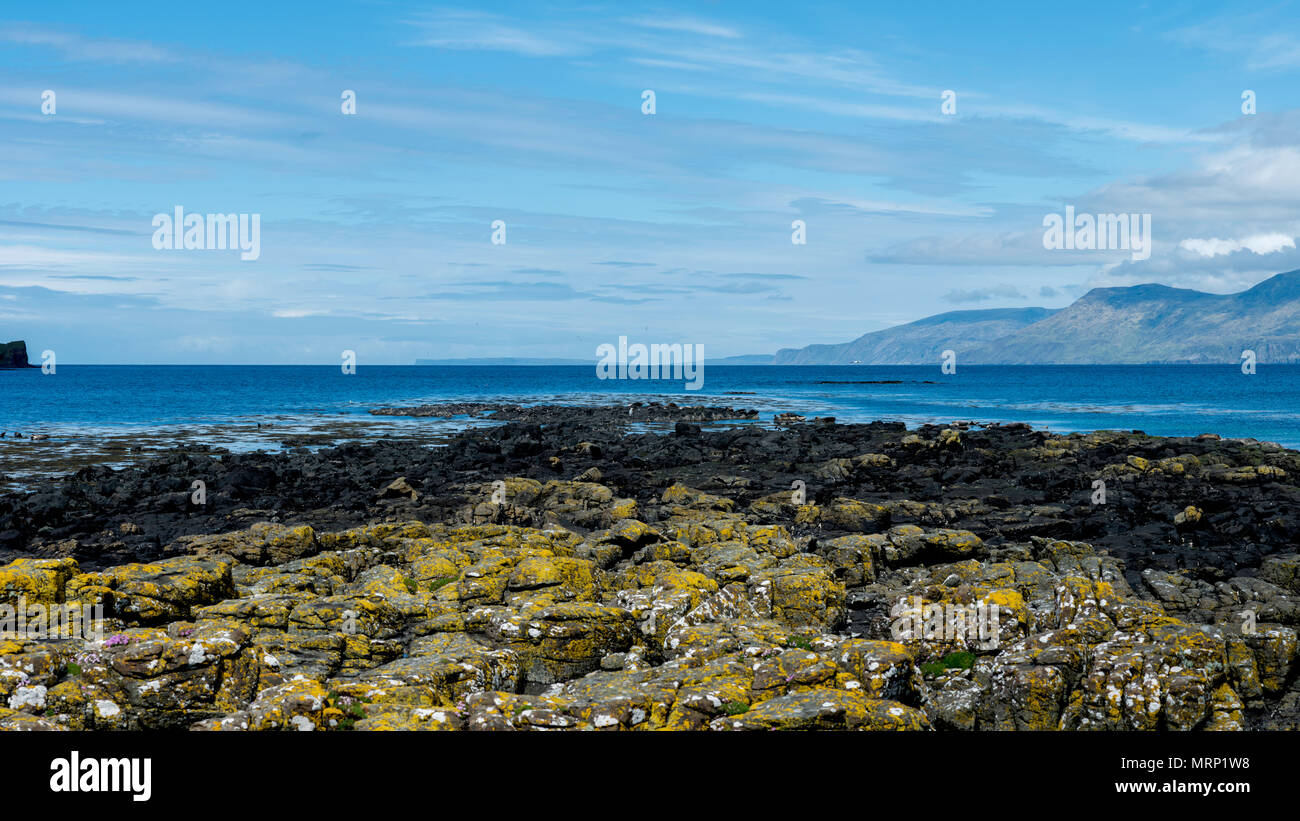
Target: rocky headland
x,y
13,355
567,571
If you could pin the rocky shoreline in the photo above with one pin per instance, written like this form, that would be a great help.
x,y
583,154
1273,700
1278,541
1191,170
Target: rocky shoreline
x,y
571,569
634,412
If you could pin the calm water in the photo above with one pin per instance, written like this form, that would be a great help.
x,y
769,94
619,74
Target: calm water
x,y
1168,400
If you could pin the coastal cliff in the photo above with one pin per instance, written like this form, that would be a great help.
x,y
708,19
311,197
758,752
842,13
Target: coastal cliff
x,y
14,355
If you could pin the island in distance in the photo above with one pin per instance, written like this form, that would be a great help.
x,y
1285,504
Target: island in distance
x,y
13,355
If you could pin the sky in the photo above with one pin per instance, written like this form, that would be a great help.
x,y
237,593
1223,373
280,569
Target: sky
x,y
376,227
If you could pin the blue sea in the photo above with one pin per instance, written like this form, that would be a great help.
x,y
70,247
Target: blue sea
x,y
225,403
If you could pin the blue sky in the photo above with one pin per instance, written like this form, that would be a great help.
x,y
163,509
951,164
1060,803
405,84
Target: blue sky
x,y
671,227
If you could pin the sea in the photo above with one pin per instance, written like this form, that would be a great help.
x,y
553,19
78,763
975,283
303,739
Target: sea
x,y
266,407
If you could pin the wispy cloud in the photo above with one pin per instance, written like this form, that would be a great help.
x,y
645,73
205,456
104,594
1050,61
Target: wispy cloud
x,y
75,47
689,25
479,31
1252,37
96,277
983,294
772,277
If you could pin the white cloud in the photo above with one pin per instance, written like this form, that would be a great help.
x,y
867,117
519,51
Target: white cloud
x,y
34,256
840,108
1210,247
688,24
1256,244
1003,291
1251,37
76,47
295,313
474,31
112,105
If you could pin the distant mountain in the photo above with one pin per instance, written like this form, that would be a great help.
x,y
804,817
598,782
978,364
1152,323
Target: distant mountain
x,y
1159,324
1134,325
917,343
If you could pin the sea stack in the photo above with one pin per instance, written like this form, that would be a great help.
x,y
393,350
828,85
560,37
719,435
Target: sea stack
x,y
14,355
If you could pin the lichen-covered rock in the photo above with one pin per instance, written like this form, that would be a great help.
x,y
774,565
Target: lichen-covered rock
x,y
679,497
162,591
17,721
854,516
569,579
823,709
528,502
1273,647
853,558
954,703
1030,683
35,581
713,604
300,704
1284,571
806,593
1161,677
564,640
909,544
883,669
262,544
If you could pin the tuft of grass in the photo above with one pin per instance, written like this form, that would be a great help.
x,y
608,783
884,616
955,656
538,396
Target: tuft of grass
x,y
960,660
437,584
799,642
411,586
74,669
735,708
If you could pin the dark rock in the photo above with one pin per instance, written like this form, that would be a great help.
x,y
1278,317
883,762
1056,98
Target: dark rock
x,y
14,355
